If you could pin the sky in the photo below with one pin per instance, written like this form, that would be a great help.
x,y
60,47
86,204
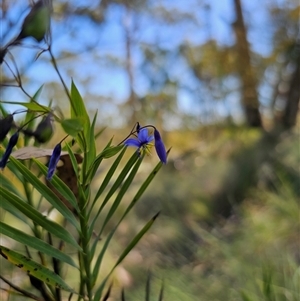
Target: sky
x,y
97,76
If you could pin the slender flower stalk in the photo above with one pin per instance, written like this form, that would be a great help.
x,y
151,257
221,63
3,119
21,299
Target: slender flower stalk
x,y
12,142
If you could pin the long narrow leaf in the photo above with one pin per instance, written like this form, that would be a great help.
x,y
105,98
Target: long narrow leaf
x,y
135,240
120,179
101,255
133,202
138,194
36,217
143,187
91,155
115,186
35,243
108,176
73,160
121,193
78,110
46,192
96,163
33,106
59,185
4,182
34,269
129,247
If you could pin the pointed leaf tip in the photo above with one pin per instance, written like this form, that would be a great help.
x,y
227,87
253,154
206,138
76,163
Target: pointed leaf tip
x,y
155,216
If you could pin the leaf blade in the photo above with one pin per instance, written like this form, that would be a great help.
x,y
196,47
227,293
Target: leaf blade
x,y
49,195
37,217
35,243
35,269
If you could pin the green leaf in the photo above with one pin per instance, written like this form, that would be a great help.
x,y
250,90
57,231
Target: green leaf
x,y
35,269
108,177
59,185
111,151
41,220
143,187
72,126
129,247
115,186
78,110
35,243
112,210
32,106
121,193
90,156
95,165
131,205
73,159
4,182
45,191
135,240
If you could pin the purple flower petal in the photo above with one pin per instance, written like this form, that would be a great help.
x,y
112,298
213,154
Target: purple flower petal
x,y
160,147
143,135
132,142
53,161
150,138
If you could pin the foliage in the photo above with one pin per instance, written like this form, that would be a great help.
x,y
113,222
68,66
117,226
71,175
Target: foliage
x,y
251,254
70,196
48,208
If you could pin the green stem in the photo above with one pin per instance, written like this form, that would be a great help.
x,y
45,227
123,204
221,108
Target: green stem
x,y
86,255
53,61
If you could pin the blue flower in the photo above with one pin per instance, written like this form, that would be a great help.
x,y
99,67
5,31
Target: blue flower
x,y
11,143
160,147
142,141
53,161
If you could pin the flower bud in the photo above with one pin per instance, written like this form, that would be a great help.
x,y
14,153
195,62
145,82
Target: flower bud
x,y
160,147
44,130
36,23
5,125
138,127
12,142
53,161
3,52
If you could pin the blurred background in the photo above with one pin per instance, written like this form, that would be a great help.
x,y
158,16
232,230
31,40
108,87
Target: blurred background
x,y
221,80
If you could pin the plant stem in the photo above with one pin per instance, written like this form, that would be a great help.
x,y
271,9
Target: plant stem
x,y
85,242
53,61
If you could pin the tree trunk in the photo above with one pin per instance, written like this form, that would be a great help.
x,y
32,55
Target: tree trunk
x,y
245,70
289,118
132,99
